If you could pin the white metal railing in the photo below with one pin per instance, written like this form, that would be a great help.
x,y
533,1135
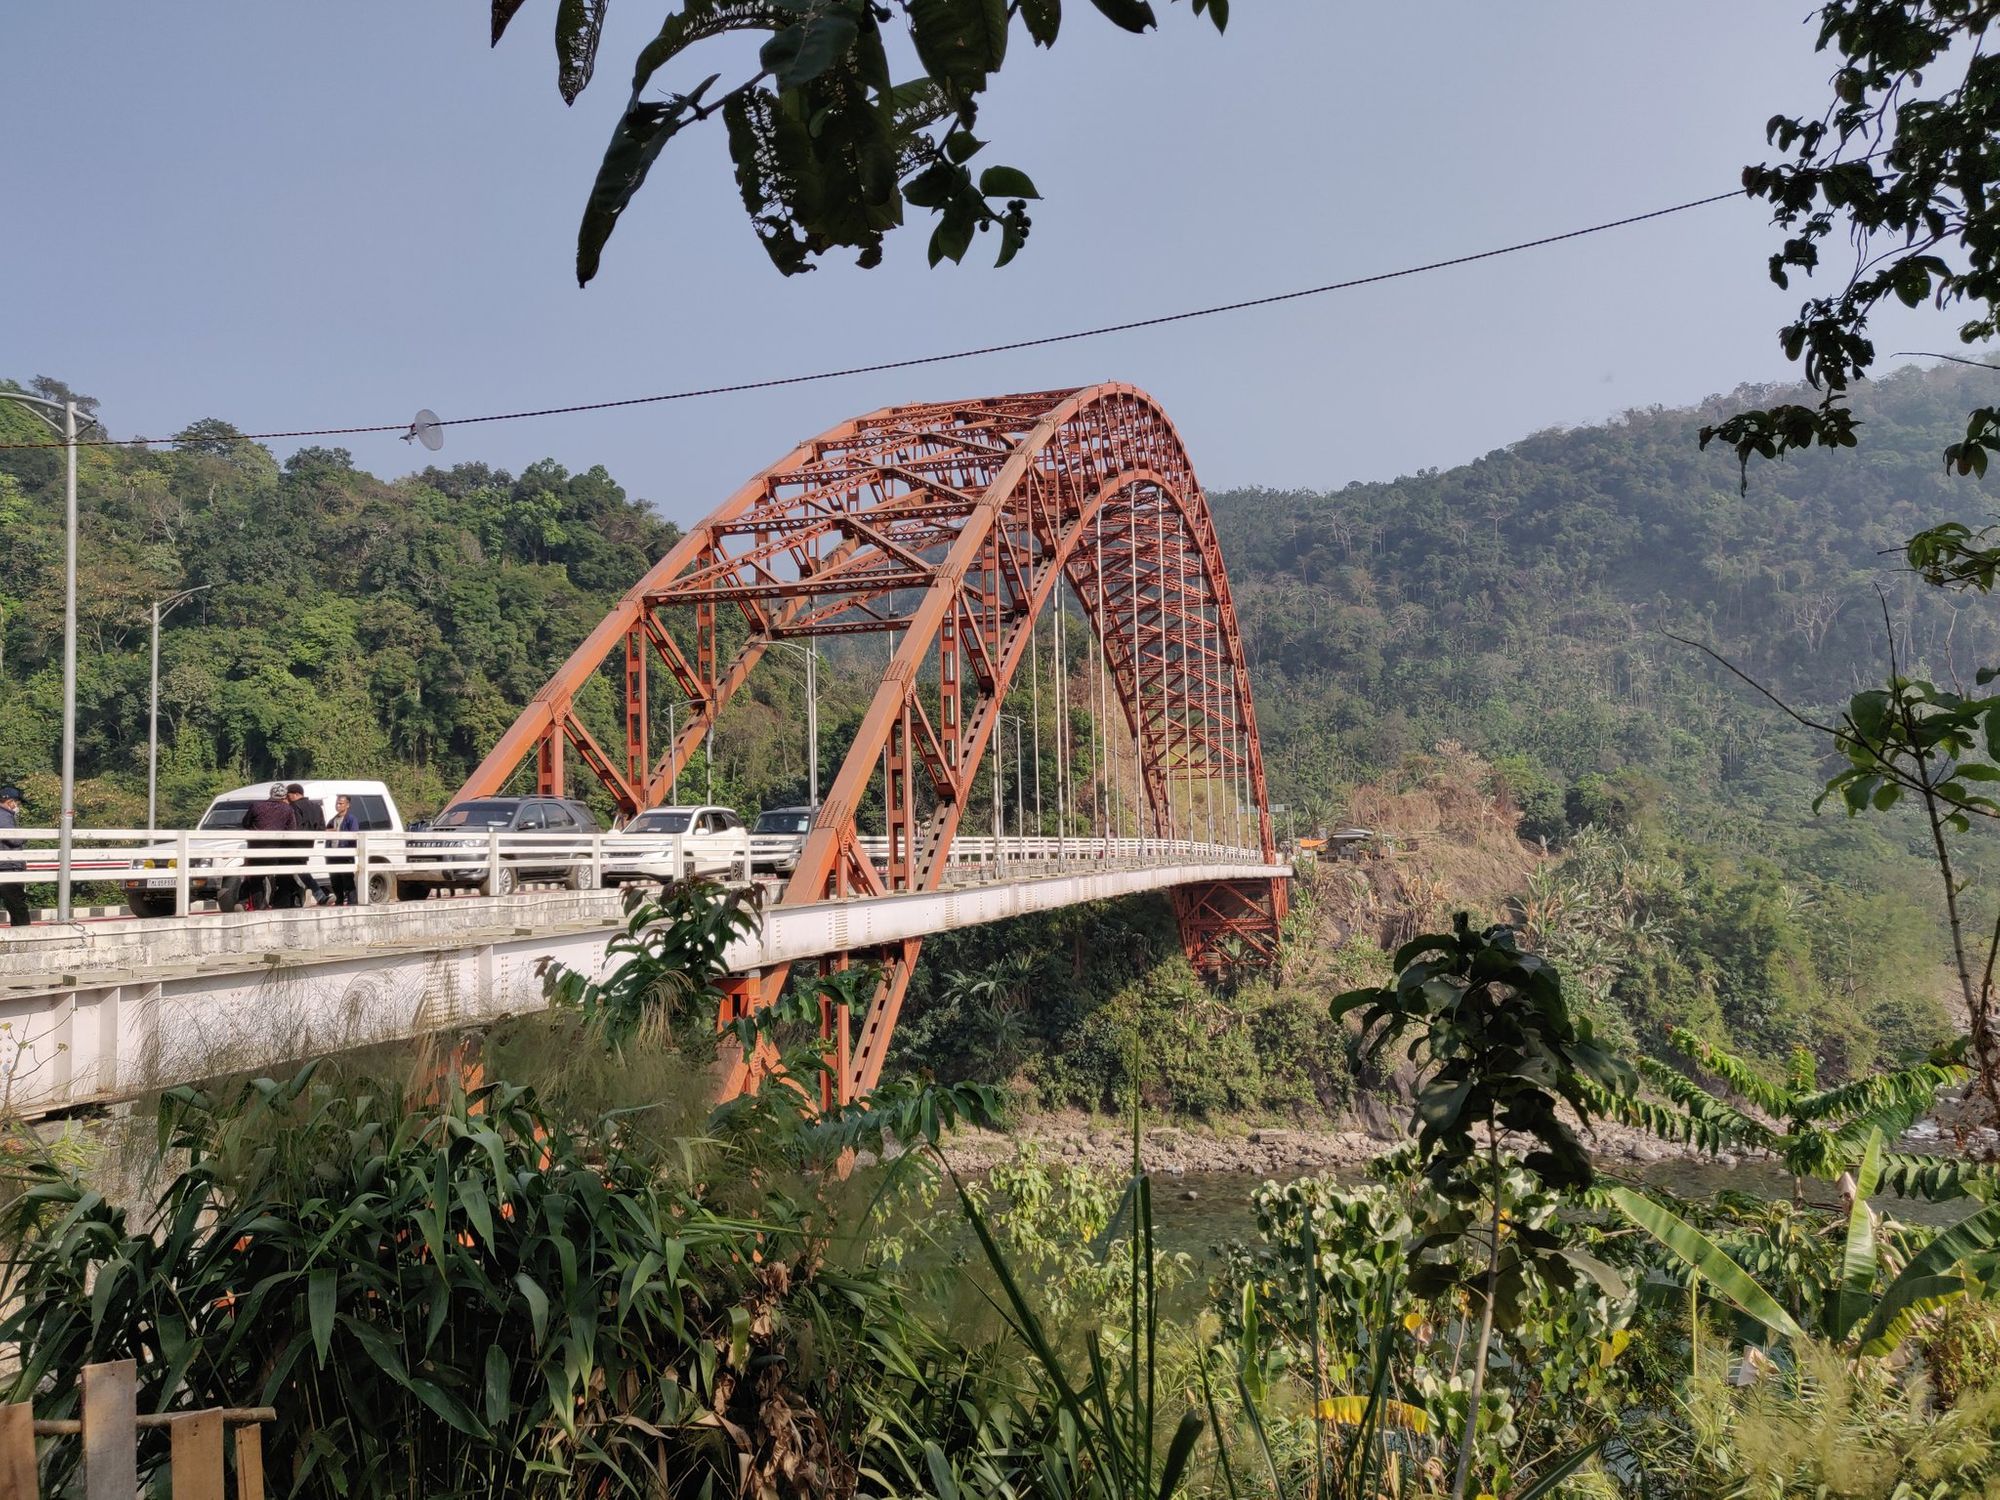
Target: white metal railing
x,y
166,873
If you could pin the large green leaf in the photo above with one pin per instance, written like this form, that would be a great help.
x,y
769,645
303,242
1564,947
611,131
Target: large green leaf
x,y
503,12
1178,1453
698,20
641,134
1772,1098
1912,1087
1906,1300
1924,1277
1703,1256
800,53
499,1379
1963,1240
1006,182
579,24
321,1287
959,42
1859,1260
1133,15
1043,19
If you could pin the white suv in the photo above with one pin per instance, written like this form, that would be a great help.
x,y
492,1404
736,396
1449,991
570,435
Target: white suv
x,y
704,840
212,860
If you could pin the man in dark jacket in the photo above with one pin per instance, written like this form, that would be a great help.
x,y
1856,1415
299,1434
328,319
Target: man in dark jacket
x,y
272,815
307,812
13,895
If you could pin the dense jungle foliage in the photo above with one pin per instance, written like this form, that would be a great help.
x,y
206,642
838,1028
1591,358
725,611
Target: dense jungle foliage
x,y
1525,605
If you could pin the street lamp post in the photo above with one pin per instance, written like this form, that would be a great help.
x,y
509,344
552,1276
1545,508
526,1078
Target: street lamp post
x,y
1020,781
66,826
673,760
811,654
160,607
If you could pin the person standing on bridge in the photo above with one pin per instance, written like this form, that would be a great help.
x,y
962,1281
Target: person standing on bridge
x,y
345,820
272,815
309,813
13,896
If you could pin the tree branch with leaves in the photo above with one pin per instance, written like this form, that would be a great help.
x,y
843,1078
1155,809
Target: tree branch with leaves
x,y
829,146
1901,167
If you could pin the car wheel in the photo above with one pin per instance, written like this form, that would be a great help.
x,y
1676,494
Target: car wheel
x,y
410,890
150,908
500,883
577,878
382,890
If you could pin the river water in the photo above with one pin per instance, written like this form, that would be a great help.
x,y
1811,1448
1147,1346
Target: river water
x,y
1198,1212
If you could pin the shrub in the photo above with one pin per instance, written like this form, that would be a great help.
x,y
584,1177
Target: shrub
x,y
465,1295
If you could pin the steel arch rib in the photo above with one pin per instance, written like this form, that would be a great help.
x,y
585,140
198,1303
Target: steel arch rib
x,y
951,523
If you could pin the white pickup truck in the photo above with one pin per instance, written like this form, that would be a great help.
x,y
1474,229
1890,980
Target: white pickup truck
x,y
214,857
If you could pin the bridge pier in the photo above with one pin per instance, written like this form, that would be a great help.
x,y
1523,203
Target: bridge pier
x,y
1228,924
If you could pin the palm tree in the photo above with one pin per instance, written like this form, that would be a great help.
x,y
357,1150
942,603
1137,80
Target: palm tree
x,y
998,994
1813,1131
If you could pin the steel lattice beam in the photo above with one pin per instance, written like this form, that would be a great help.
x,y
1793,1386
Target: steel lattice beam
x,y
950,527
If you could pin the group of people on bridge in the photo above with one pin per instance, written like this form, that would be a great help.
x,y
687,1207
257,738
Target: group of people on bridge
x,y
288,809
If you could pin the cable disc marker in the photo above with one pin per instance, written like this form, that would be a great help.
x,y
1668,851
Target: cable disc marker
x,y
426,429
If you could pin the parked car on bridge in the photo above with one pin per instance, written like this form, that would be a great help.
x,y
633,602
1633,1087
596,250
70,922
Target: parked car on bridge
x,y
213,860
453,848
705,840
778,837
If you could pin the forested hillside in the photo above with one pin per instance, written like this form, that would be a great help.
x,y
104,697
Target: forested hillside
x,y
1520,605
348,625
1517,603
1515,606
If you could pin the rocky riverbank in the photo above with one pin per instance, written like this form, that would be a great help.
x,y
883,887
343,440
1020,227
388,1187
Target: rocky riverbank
x,y
1170,1150
1281,1151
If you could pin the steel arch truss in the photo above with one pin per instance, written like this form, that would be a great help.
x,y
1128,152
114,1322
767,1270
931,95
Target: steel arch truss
x,y
951,527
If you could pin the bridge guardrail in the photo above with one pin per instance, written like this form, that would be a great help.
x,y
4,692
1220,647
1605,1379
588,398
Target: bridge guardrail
x,y
174,869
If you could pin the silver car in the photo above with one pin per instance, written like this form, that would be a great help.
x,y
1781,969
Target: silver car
x,y
779,837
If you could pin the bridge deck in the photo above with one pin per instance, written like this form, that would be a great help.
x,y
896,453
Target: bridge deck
x,y
100,1012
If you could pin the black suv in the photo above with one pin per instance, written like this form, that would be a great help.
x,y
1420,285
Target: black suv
x,y
456,839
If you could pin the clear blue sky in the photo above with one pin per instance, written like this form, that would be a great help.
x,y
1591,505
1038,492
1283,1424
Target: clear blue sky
x,y
290,215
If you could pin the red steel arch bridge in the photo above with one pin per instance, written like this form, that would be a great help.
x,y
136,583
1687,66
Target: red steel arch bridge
x,y
951,528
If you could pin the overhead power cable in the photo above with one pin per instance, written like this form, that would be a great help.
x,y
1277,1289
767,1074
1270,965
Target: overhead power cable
x,y
918,361
1957,359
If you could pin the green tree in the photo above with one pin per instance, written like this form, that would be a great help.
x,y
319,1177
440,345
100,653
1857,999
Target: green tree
x,y
1899,174
1498,1054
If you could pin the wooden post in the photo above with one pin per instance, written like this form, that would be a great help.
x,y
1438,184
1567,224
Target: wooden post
x,y
250,1463
17,1452
195,1439
110,1431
